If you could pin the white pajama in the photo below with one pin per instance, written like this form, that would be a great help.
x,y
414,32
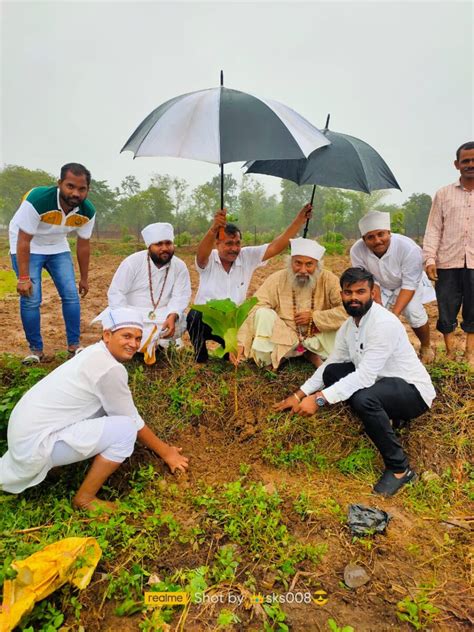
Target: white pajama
x,y
67,405
115,444
414,312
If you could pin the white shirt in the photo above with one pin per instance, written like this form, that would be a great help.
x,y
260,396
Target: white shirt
x,y
216,283
49,238
91,384
378,347
130,286
400,267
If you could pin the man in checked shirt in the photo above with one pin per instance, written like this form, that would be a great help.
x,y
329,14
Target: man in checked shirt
x,y
448,251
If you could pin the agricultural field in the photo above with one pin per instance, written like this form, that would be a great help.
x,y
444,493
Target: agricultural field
x,y
257,528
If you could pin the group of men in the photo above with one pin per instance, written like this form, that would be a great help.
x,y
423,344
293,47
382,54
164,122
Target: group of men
x,y
348,328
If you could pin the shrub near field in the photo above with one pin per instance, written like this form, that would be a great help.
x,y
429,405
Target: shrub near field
x,y
261,512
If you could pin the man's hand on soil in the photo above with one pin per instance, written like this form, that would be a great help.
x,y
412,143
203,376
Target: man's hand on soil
x,y
175,460
308,406
289,402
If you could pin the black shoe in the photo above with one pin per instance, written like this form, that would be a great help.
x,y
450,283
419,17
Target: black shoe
x,y
398,424
388,484
202,357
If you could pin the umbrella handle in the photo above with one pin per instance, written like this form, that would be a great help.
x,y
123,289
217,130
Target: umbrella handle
x,y
221,232
305,231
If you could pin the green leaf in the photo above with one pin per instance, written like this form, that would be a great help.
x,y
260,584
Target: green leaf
x,y
225,318
244,310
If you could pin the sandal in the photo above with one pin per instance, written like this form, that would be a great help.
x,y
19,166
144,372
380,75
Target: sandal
x,y
33,358
74,352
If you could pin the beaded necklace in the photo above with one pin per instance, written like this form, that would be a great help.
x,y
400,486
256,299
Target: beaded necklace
x,y
310,328
151,314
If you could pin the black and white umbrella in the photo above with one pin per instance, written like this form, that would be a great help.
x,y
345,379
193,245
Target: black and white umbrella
x,y
221,125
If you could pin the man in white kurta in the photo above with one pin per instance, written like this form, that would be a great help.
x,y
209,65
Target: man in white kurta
x,y
225,270
375,369
157,284
82,409
396,263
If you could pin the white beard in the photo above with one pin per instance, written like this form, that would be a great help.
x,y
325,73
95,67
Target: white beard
x,y
301,281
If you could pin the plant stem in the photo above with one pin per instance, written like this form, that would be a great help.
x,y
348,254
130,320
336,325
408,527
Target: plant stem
x,y
236,403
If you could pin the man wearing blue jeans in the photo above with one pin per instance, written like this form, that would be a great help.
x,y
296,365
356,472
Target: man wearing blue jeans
x,y
38,239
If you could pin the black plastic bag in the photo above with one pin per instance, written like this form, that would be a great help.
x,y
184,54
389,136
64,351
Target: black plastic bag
x,y
367,520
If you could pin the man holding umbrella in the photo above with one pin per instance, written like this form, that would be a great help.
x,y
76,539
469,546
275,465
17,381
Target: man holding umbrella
x,y
225,269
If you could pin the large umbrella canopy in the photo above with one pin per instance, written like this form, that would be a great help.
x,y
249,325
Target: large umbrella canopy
x,y
221,125
347,163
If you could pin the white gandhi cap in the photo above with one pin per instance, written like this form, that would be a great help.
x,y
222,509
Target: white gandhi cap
x,y
307,248
160,231
121,317
374,220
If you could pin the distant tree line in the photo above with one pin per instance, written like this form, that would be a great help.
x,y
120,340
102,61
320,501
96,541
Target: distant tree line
x,y
129,207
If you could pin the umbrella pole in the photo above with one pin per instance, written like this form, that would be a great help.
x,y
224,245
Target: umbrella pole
x,y
305,232
222,185
222,164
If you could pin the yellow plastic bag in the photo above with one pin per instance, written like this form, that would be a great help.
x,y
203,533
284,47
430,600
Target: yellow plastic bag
x,y
70,560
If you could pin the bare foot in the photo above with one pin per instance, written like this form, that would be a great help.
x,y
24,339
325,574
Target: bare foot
x,y
451,354
469,359
427,355
93,504
313,358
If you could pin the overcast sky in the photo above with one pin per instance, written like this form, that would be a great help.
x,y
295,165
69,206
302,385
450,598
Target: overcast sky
x,y
78,77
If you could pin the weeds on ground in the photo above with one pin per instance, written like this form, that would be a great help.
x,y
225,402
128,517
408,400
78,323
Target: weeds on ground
x,y
217,539
8,282
15,380
433,497
360,462
418,611
251,517
333,626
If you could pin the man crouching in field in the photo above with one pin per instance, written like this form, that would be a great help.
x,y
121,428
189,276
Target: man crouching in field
x,y
375,369
83,409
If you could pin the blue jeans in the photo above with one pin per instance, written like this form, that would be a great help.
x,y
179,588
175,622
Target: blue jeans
x,y
61,270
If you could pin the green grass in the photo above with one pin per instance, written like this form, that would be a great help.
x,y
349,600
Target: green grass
x,y
7,283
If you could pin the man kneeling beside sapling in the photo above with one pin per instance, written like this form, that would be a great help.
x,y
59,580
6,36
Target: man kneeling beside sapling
x,y
375,369
83,409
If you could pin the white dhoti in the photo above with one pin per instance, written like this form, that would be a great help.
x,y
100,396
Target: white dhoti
x,y
414,312
153,337
263,349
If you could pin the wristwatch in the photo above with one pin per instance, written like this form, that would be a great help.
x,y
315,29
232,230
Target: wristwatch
x,y
320,401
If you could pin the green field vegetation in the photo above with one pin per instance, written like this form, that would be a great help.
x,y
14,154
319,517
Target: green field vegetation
x,y
7,283
262,510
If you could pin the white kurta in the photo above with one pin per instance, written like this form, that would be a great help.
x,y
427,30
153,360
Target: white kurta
x,y
400,268
216,283
91,384
378,347
130,288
